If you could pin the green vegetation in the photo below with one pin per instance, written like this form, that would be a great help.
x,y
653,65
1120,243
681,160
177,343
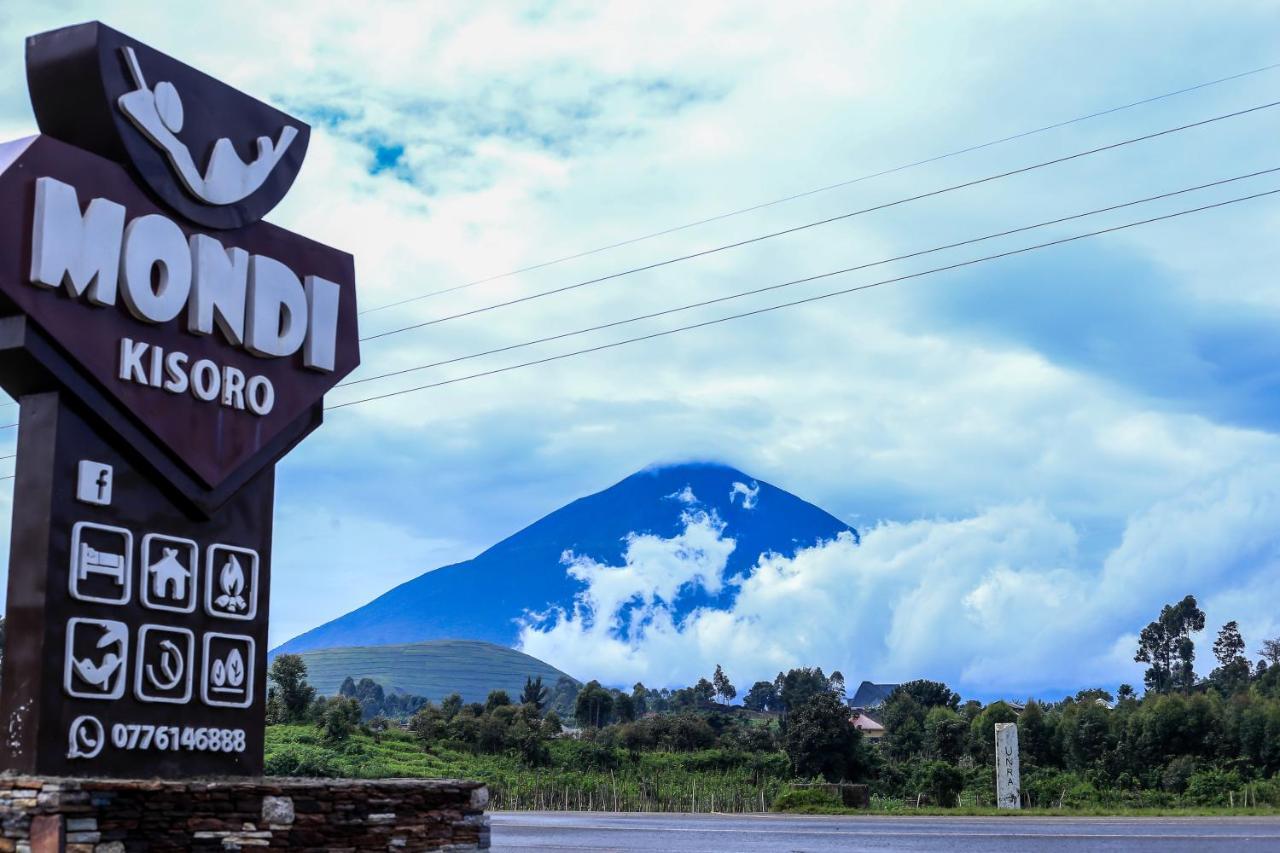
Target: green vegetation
x,y
1191,743
432,670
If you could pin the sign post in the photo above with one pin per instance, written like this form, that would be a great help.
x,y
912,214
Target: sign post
x,y
167,348
1008,775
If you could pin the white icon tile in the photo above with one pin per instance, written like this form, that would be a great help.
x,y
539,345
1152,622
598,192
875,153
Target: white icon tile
x,y
231,582
101,563
86,737
93,483
165,667
97,658
169,570
226,679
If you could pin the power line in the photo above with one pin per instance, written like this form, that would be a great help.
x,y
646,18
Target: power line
x,y
806,300
827,221
805,280
762,205
8,426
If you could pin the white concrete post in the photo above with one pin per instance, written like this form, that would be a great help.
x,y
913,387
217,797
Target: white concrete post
x,y
1008,774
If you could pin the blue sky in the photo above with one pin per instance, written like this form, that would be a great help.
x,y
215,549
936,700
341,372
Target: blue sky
x,y
1054,444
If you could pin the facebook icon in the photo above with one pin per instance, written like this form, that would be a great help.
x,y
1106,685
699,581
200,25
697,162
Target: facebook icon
x,y
93,486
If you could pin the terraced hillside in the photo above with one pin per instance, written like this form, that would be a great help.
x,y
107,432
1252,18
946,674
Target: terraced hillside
x,y
432,669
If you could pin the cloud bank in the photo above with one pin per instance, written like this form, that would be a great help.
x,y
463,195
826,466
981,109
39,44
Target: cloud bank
x,y
999,603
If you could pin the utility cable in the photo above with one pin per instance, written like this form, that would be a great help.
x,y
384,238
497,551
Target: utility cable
x,y
806,300
806,193
805,280
792,230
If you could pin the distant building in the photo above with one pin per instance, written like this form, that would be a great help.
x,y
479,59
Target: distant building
x,y
870,695
870,729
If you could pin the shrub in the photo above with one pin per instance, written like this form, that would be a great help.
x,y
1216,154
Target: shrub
x,y
938,780
1177,773
808,798
584,755
339,718
297,759
1212,787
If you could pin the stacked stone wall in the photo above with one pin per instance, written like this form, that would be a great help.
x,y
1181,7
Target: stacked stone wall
x,y
43,815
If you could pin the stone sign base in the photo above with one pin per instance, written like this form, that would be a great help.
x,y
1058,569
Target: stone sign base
x,y
45,814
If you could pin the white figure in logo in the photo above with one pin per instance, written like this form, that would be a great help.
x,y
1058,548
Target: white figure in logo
x,y
228,179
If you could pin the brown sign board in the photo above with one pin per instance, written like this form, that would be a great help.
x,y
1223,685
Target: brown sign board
x,y
167,347
211,439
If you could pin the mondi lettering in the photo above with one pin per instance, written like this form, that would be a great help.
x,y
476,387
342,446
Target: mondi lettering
x,y
255,302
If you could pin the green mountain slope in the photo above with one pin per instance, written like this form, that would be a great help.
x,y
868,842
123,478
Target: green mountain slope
x,y
432,669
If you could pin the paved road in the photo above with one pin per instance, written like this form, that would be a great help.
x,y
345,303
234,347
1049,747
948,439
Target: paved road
x,y
561,831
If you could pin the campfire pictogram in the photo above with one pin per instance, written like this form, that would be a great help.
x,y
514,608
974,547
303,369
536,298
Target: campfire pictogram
x,y
231,582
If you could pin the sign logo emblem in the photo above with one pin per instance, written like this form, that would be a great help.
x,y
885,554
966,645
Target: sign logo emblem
x,y
159,114
217,156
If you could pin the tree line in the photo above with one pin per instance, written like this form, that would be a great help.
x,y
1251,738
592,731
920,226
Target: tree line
x,y
1208,740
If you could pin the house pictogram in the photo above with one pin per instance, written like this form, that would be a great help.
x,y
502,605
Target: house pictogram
x,y
169,573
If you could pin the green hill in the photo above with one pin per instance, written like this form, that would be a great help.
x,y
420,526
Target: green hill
x,y
432,669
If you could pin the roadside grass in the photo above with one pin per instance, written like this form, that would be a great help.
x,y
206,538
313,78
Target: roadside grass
x,y
899,809
583,777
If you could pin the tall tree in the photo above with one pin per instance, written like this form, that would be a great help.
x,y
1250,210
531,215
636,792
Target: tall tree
x,y
1271,650
929,694
821,741
1232,674
534,693
623,708
800,684
289,675
1166,645
724,688
640,698
1229,647
594,705
762,696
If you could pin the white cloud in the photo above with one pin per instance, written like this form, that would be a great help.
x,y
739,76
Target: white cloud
x,y
750,494
684,496
1000,603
